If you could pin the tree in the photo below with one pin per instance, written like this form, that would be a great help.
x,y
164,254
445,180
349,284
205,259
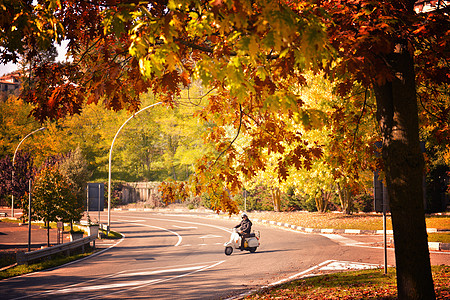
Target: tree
x,y
74,167
14,179
14,125
251,53
23,173
53,198
5,177
385,40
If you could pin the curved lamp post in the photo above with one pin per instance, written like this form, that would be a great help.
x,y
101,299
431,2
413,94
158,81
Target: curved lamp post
x,y
110,155
14,159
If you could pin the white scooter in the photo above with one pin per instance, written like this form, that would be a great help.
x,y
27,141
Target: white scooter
x,y
250,243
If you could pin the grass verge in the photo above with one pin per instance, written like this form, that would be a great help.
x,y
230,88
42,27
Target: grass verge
x,y
112,235
57,261
341,221
366,284
439,237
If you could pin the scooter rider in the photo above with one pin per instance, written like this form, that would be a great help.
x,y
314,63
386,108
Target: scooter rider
x,y
245,228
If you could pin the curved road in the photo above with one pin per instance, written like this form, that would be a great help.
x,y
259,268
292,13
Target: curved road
x,y
181,256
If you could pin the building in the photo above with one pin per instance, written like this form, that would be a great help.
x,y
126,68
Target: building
x,y
424,6
10,82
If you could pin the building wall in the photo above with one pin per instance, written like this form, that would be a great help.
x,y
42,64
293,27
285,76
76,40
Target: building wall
x,y
147,192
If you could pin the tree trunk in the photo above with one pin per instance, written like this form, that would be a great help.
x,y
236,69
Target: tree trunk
x,y
276,197
48,232
344,198
321,201
397,114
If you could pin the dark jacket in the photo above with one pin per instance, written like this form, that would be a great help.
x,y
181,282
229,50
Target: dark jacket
x,y
245,226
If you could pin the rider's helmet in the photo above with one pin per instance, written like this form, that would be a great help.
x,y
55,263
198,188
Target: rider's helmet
x,y
244,215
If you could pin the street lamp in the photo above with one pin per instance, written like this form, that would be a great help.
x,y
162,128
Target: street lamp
x,y
110,155
14,159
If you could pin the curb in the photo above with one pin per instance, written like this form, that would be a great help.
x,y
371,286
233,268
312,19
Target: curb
x,y
434,246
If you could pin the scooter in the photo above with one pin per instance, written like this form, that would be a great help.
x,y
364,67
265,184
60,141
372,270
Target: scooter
x,y
250,243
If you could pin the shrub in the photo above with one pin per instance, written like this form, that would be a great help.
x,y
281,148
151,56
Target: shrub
x,y
363,203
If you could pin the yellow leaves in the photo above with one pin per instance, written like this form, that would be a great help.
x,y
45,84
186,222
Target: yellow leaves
x,y
54,4
172,61
174,5
253,47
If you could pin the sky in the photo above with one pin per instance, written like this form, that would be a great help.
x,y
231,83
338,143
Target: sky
x,y
8,68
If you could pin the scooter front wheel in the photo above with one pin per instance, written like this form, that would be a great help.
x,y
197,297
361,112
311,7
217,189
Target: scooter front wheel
x,y
228,250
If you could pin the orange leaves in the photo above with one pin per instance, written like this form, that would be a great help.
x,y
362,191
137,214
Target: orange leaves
x,y
300,157
364,33
173,191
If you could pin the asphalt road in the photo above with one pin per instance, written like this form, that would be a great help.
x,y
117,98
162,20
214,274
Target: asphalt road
x,y
181,256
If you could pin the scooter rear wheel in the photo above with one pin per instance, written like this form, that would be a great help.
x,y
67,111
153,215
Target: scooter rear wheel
x,y
252,249
228,250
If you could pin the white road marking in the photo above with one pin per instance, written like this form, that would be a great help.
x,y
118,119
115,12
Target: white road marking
x,y
160,281
69,263
133,221
185,227
127,283
210,236
342,240
326,265
175,233
147,273
103,287
298,275
187,222
193,268
346,265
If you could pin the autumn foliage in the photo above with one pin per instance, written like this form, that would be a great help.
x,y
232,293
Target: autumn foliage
x,y
252,56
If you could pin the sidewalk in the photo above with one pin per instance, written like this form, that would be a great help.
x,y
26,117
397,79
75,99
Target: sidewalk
x,y
14,237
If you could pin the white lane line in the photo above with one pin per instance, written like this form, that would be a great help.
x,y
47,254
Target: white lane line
x,y
147,273
210,236
128,283
328,265
76,287
159,281
187,222
168,230
185,227
134,221
298,275
103,287
69,263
